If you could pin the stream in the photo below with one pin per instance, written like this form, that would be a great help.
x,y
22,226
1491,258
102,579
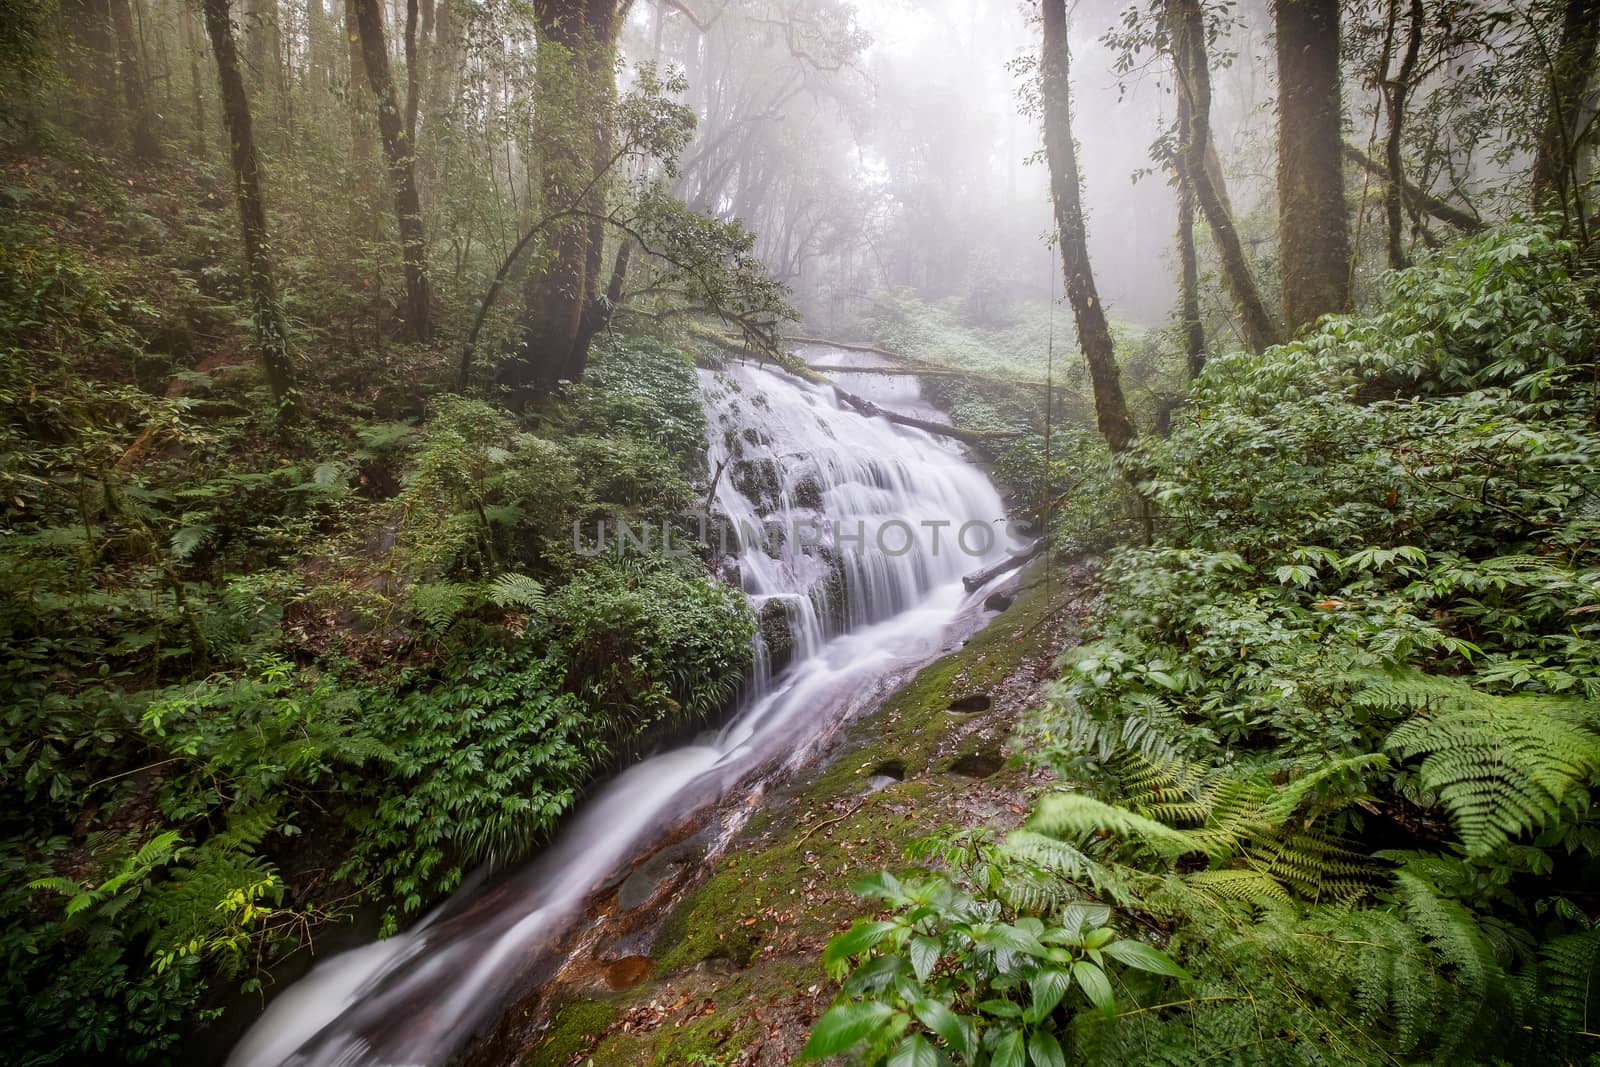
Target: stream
x,y
859,604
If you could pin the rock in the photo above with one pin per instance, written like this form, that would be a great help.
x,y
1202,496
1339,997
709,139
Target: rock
x,y
998,601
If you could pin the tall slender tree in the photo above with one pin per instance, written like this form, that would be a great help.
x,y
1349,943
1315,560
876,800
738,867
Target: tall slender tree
x,y
272,337
1396,92
1094,333
1187,27
135,91
1194,331
1571,71
1313,229
401,158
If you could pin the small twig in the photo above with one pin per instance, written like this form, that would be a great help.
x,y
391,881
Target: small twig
x,y
829,822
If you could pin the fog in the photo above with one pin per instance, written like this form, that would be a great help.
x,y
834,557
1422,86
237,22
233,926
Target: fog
x,y
887,145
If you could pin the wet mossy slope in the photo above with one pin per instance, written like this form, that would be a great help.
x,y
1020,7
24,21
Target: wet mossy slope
x,y
736,979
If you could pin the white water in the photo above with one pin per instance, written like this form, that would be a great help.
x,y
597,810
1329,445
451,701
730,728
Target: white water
x,y
415,998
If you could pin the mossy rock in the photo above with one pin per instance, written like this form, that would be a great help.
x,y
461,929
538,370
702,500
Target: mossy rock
x,y
759,481
777,633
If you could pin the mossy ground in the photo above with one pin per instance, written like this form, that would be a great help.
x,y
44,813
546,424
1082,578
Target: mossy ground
x,y
737,978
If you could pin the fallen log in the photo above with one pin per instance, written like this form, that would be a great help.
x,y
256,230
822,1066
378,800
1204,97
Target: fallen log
x,y
920,371
848,346
872,411
978,579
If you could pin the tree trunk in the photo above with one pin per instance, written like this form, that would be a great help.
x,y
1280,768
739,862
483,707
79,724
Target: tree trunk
x,y
91,61
1313,233
574,93
397,150
272,339
261,43
1261,329
444,63
135,95
1397,92
1094,335
191,45
1573,67
1194,331
363,147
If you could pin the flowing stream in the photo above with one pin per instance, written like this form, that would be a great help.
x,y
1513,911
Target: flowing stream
x,y
848,599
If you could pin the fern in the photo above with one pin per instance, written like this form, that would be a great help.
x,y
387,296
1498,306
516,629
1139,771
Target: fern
x,y
1501,765
517,591
438,604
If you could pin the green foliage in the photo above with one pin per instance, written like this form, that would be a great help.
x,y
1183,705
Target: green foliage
x,y
1336,730
951,976
484,764
648,644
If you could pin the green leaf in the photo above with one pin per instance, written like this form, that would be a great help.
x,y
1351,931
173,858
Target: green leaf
x,y
915,1051
1003,1009
1144,957
1045,1051
1048,987
857,939
842,1026
1008,1051
1096,986
938,1017
188,540
925,953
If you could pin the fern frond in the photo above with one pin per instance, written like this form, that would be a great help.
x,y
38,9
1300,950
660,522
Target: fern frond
x,y
1501,765
517,591
438,603
1075,816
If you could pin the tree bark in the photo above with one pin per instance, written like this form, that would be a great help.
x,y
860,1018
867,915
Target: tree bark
x,y
1313,232
261,42
1397,92
1260,327
363,147
191,45
1194,331
401,158
272,339
1572,69
574,93
135,94
1094,334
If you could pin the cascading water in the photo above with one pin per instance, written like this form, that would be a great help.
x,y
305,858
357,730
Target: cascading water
x,y
850,535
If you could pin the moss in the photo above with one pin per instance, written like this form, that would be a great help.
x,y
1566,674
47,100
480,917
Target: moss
x,y
776,633
744,945
808,493
571,1031
758,480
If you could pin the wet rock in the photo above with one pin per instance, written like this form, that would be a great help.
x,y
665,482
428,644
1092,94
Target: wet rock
x,y
997,601
627,972
777,634
971,703
758,480
807,493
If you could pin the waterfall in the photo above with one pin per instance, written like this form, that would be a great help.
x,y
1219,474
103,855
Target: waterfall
x,y
817,502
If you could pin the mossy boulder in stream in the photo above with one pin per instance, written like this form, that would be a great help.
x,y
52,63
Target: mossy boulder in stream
x,y
777,633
